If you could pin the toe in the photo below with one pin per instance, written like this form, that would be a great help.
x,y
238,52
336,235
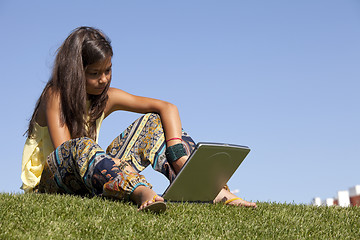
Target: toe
x,y
242,203
158,199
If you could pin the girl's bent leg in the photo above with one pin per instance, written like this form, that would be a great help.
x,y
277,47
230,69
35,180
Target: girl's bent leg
x,y
81,167
143,143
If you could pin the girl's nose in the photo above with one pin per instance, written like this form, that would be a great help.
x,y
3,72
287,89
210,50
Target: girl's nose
x,y
103,78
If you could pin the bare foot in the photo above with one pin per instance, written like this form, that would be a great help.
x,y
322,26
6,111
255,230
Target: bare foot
x,y
226,195
147,199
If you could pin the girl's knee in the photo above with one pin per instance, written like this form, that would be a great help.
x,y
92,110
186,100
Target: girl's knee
x,y
154,121
153,116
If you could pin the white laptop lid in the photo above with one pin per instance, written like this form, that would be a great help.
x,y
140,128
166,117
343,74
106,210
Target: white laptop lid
x,y
206,172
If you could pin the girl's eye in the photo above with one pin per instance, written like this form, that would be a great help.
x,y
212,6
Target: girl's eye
x,y
93,74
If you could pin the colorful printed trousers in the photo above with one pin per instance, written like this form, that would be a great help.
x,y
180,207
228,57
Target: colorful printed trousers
x,y
79,166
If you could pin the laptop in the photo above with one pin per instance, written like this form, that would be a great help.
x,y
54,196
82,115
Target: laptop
x,y
208,169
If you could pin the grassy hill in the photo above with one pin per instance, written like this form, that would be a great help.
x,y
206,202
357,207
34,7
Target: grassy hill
x,y
40,216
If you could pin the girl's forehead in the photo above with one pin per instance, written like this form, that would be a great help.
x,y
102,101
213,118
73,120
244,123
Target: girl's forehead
x,y
103,64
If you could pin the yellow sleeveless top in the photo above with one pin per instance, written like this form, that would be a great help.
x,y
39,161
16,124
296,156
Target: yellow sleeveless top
x,y
36,151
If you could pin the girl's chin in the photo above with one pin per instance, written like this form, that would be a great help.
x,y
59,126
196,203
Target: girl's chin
x,y
93,94
96,92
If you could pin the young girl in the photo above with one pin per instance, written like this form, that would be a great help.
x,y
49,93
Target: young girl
x,y
61,154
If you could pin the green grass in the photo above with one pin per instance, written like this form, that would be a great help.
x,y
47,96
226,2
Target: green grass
x,y
41,216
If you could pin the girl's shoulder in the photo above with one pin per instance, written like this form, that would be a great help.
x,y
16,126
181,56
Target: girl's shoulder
x,y
113,91
115,94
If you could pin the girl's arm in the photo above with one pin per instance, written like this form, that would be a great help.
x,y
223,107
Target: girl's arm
x,y
121,100
59,133
170,119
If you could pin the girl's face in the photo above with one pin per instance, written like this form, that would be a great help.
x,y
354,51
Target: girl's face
x,y
98,76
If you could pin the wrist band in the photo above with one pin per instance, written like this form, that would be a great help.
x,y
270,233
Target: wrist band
x,y
175,152
173,139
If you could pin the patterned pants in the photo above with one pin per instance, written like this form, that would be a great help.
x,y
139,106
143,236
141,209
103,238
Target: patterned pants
x,y
79,166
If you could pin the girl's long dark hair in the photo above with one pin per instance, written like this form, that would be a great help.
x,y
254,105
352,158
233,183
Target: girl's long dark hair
x,y
83,47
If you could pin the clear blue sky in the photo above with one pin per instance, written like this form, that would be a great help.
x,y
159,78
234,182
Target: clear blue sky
x,y
282,77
